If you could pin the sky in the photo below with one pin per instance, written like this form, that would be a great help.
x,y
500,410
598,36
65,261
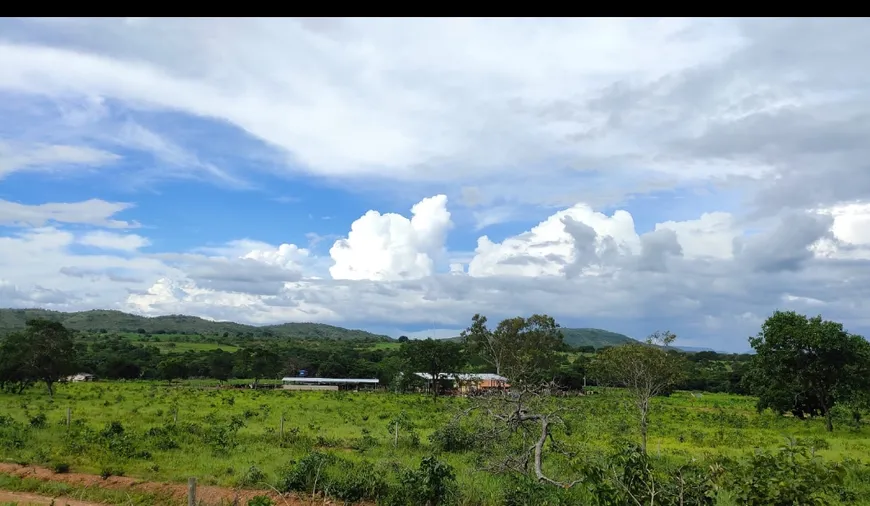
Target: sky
x,y
401,175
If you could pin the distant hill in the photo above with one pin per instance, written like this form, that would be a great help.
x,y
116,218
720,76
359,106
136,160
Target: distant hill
x,y
695,349
598,338
117,321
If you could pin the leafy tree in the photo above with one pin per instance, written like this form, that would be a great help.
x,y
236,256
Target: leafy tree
x,y
645,369
523,349
44,351
220,365
403,339
433,357
14,374
173,368
257,362
807,365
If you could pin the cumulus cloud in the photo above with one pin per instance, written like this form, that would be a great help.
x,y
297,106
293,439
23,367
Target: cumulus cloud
x,y
579,265
576,238
391,247
570,118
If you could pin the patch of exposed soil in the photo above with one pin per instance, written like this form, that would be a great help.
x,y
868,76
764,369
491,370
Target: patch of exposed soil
x,y
205,494
22,499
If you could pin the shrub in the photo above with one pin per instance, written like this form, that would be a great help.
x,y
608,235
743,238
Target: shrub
x,y
432,484
108,471
525,491
352,482
252,476
786,477
453,437
303,475
260,500
60,467
39,421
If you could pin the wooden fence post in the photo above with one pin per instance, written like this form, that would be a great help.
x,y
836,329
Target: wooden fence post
x,y
396,443
68,417
282,426
191,492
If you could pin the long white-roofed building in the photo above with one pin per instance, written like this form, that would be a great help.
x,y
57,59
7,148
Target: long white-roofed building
x,y
306,383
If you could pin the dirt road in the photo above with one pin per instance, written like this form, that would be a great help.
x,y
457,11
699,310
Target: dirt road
x,y
21,499
206,495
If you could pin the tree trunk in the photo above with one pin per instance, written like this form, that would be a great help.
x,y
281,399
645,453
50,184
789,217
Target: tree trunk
x,y
829,421
644,426
50,386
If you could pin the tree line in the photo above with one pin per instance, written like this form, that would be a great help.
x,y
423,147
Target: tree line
x,y
803,365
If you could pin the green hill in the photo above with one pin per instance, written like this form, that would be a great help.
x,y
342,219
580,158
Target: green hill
x,y
598,338
117,321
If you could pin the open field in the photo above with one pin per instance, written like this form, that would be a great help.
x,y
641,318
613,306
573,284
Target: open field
x,y
181,347
231,438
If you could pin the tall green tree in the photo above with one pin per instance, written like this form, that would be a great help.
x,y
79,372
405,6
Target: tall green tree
x,y
644,369
257,362
14,374
523,349
433,357
45,352
172,368
807,365
220,365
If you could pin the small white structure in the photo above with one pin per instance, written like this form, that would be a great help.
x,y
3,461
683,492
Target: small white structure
x,y
82,376
303,383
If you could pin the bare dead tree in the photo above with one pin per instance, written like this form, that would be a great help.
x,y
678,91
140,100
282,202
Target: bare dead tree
x,y
525,410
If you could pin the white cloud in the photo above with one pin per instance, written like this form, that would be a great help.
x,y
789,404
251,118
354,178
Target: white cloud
x,y
435,100
391,247
502,116
112,241
19,157
850,231
553,246
578,265
91,212
712,235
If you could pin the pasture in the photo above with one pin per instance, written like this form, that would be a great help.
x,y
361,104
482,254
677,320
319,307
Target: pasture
x,y
233,438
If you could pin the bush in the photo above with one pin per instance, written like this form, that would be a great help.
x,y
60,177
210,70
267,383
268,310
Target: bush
x,y
525,491
108,471
787,477
432,484
301,476
260,500
353,483
253,476
453,437
60,467
39,421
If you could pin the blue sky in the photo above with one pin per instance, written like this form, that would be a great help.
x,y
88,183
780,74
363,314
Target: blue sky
x,y
674,176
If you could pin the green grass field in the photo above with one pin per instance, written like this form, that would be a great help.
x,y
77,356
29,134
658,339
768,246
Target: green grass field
x,y
180,347
355,426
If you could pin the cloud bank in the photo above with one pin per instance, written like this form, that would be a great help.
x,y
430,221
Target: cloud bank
x,y
759,125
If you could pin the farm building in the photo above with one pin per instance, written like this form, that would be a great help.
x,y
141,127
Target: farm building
x,y
82,376
303,383
464,383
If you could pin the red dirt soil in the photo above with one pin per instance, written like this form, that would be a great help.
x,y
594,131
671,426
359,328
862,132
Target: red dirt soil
x,y
22,499
205,495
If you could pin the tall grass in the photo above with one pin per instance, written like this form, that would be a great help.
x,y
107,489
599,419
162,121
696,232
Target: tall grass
x,y
224,436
